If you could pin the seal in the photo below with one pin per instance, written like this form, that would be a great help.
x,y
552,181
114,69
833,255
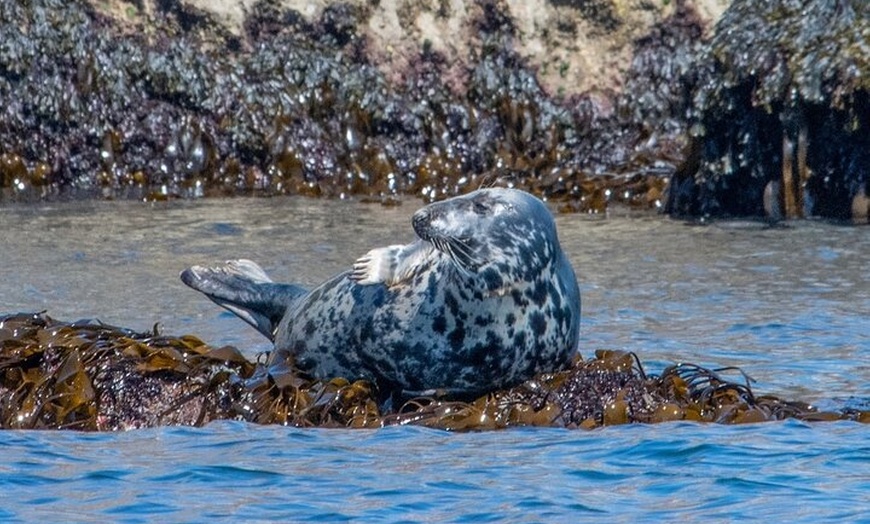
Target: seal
x,y
483,299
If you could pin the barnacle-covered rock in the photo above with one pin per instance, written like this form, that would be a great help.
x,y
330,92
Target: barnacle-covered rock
x,y
586,103
166,99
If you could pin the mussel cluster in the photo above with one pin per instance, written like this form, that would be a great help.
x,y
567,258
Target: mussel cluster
x,y
89,376
171,104
781,118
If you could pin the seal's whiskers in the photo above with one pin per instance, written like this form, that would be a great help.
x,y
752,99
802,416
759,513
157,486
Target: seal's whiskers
x,y
460,252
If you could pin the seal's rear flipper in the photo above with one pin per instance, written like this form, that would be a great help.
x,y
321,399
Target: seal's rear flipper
x,y
241,286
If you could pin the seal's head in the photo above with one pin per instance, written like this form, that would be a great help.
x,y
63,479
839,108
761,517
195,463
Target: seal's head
x,y
497,234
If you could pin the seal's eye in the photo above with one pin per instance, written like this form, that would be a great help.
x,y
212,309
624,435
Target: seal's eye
x,y
481,208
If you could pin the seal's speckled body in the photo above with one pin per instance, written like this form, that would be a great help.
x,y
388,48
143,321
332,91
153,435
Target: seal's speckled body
x,y
484,299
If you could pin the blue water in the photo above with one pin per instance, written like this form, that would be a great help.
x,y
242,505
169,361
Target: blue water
x,y
789,305
778,472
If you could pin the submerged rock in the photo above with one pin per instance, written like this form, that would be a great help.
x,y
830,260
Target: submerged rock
x,y
88,376
781,123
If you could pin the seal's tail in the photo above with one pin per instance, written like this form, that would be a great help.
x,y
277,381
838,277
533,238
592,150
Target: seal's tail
x,y
242,287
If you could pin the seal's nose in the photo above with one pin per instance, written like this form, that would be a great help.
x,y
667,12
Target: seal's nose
x,y
421,222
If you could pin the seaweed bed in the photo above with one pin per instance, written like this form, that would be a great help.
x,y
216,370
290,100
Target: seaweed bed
x,y
89,376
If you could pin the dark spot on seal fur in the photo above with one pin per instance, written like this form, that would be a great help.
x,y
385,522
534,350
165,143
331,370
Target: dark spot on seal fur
x,y
538,293
439,324
374,295
457,336
483,320
492,279
451,303
482,354
365,331
517,295
538,323
310,327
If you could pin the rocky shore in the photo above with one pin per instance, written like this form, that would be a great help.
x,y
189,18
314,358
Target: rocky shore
x,y
780,123
754,110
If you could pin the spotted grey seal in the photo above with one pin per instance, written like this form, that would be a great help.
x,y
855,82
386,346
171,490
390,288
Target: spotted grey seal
x,y
483,299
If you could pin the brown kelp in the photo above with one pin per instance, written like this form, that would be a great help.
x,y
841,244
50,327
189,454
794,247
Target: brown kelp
x,y
86,375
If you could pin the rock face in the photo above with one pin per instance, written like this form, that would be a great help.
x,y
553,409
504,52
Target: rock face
x,y
781,114
574,46
168,98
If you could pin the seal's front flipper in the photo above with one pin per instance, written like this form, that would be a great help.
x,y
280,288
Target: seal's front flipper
x,y
376,266
391,265
241,286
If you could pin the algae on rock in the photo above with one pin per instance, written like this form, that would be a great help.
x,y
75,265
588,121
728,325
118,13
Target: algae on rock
x,y
781,119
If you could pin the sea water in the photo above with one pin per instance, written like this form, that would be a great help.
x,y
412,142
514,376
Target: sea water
x,y
788,304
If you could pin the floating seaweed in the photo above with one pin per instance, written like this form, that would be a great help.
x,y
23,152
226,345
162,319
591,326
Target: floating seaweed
x,y
89,376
